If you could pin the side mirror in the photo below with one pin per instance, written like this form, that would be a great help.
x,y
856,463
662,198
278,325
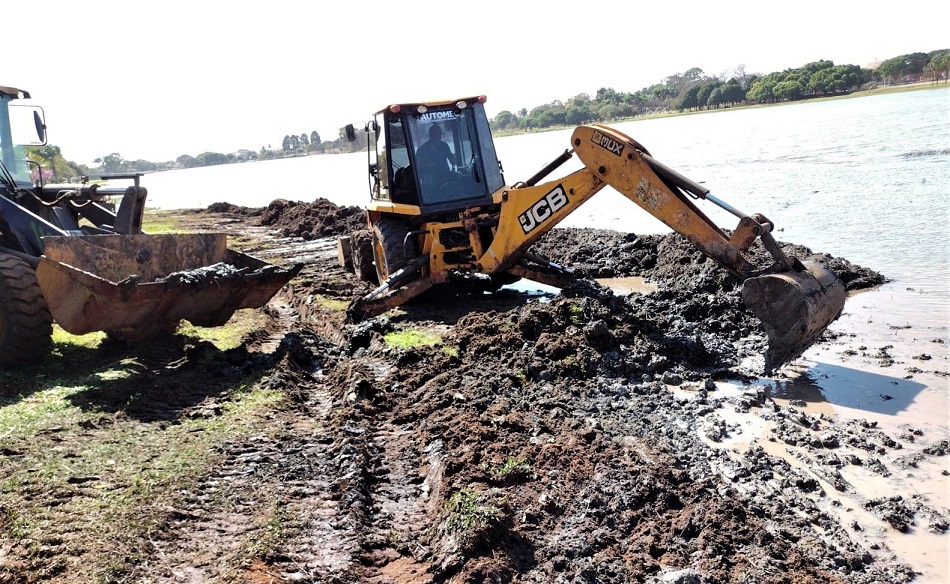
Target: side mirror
x,y
350,132
40,126
373,127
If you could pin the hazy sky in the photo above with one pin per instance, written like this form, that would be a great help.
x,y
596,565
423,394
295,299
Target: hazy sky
x,y
154,80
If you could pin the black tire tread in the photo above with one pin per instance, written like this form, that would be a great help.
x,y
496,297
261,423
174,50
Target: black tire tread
x,y
390,234
26,326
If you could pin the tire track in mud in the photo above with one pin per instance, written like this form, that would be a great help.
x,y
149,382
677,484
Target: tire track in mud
x,y
401,483
273,495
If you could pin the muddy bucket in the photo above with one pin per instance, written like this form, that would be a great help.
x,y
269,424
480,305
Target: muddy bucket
x,y
138,285
795,308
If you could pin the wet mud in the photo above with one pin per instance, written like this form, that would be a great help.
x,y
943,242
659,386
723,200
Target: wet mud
x,y
586,436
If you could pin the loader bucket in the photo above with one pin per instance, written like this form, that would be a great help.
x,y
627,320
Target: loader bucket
x,y
136,286
794,308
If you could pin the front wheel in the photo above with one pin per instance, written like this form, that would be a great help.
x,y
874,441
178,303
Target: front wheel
x,y
26,326
391,250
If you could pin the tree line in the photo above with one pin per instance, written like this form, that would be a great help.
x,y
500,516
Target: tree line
x,y
691,90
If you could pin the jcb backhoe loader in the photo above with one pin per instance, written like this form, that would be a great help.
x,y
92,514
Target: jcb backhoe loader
x,y
67,257
440,207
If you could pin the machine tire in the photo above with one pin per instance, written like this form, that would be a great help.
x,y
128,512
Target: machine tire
x,y
388,247
26,326
362,251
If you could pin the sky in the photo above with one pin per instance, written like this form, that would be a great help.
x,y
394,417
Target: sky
x,y
154,79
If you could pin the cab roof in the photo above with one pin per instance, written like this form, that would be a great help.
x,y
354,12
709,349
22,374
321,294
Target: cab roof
x,y
14,92
470,100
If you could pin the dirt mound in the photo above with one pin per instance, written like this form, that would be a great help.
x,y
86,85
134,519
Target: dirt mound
x,y
671,260
321,218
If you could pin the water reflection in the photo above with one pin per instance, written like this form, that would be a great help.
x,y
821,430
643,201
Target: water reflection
x,y
847,387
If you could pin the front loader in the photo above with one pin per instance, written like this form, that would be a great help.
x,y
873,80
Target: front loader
x,y
442,211
70,256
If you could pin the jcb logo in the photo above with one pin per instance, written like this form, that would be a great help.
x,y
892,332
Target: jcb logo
x,y
607,143
541,211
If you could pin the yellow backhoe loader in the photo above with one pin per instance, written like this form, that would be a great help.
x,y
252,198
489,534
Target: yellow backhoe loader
x,y
440,206
69,255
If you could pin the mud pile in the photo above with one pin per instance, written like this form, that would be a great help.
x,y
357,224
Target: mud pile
x,y
582,437
314,220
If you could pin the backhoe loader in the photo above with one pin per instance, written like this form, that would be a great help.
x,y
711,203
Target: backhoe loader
x,y
440,208
69,256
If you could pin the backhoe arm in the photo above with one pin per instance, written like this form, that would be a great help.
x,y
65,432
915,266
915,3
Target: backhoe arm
x,y
613,158
795,302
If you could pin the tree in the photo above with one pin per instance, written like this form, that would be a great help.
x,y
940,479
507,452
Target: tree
x,y
702,96
315,138
731,93
187,161
788,90
304,140
689,99
111,163
762,90
939,63
212,158
504,120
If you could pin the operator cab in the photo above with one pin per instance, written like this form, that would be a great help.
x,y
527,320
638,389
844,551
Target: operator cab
x,y
20,126
438,156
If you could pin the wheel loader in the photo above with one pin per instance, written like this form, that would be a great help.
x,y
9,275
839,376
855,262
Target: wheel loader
x,y
69,255
440,208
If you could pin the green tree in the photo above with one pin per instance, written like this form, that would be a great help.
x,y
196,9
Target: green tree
x,y
702,96
788,90
187,161
731,93
212,158
504,120
939,65
111,163
315,138
689,99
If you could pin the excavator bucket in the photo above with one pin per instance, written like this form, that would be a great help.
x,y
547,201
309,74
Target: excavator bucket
x,y
795,307
135,286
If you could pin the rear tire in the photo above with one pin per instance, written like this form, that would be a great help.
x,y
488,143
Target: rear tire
x,y
26,326
389,247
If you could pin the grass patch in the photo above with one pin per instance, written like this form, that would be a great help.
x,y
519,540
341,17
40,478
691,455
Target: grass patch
x,y
98,478
334,304
229,335
411,338
513,467
157,222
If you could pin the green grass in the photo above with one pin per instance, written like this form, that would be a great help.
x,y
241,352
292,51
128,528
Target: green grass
x,y
155,222
229,335
469,511
334,304
513,466
411,338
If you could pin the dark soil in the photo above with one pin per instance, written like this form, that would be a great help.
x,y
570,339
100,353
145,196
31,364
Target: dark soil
x,y
540,441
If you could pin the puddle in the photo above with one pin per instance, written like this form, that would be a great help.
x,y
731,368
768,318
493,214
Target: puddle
x,y
619,286
631,285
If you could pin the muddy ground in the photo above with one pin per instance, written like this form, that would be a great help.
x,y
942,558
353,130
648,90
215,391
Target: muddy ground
x,y
581,437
